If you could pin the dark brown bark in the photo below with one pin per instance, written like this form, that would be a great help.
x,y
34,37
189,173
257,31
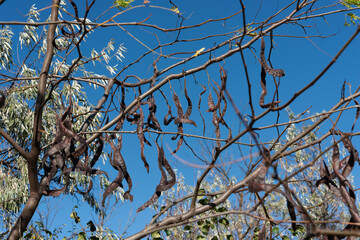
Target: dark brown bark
x,y
25,217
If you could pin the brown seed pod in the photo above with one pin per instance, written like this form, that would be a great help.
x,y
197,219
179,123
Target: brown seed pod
x,y
2,99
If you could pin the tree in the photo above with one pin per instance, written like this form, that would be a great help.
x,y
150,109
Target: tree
x,y
69,104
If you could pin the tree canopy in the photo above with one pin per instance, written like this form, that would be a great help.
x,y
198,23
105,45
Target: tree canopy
x,y
217,120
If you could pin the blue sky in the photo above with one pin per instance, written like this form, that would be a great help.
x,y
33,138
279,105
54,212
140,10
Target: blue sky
x,y
301,58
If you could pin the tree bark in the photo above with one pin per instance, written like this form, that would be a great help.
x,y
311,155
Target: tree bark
x,y
32,160
25,217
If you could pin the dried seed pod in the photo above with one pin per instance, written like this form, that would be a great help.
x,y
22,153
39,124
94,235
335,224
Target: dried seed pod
x,y
2,99
268,69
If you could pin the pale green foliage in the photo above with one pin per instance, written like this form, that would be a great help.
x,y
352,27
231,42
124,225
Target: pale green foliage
x,y
5,47
353,18
29,34
18,122
350,4
219,227
60,67
27,72
123,3
326,205
17,115
13,192
119,52
107,53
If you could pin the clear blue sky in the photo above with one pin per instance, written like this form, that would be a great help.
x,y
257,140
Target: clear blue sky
x,y
302,59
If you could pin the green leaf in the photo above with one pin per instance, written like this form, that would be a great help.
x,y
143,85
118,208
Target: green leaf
x,y
28,236
205,229
81,236
200,222
229,237
221,209
199,237
40,224
156,235
122,3
48,232
202,191
167,232
204,201
300,228
224,221
74,216
175,9
214,238
285,238
188,228
91,225
275,230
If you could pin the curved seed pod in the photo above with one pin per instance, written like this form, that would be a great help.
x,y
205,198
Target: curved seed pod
x,y
179,109
2,99
356,115
264,66
185,117
141,137
215,122
98,152
64,148
264,91
71,34
113,186
166,120
180,113
184,120
181,117
117,161
68,35
56,192
122,164
199,104
258,184
325,175
163,162
181,139
75,9
88,189
57,148
211,103
188,99
263,88
263,62
60,144
336,190
149,202
152,121
164,184
223,77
